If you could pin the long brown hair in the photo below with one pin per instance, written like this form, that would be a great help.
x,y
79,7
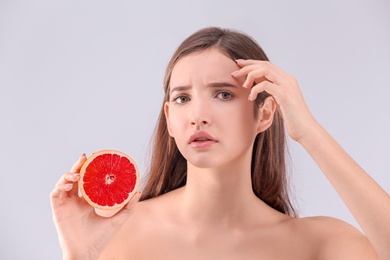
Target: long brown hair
x,y
168,168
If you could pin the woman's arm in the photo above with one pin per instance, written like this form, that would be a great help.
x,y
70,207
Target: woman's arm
x,y
367,201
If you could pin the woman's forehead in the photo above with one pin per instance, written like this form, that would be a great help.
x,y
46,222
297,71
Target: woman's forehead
x,y
210,64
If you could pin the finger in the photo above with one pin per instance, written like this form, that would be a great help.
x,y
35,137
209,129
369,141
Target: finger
x,y
58,191
243,71
74,174
67,180
256,73
77,165
72,177
268,87
60,188
278,70
65,187
242,62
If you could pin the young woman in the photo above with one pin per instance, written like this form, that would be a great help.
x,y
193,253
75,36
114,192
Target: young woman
x,y
217,186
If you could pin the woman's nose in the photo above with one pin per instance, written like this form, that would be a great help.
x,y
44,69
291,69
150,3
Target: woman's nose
x,y
200,113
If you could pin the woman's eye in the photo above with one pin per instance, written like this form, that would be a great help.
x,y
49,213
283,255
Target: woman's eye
x,y
224,95
181,99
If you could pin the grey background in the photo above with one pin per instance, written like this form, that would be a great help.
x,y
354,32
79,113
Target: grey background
x,y
80,76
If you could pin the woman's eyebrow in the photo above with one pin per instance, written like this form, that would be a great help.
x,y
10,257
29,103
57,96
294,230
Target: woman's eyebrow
x,y
222,85
180,88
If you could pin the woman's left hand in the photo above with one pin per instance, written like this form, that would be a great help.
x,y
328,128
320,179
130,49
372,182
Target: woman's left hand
x,y
265,76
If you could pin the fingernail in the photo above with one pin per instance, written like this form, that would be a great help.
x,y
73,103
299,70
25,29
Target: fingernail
x,y
76,175
234,73
69,186
239,60
250,97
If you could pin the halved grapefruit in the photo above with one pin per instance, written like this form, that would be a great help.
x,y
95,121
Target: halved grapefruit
x,y
108,179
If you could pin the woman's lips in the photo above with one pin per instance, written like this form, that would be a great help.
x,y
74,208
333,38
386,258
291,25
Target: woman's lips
x,y
201,139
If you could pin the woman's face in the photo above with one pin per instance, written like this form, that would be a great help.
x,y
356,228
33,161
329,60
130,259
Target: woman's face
x,y
208,113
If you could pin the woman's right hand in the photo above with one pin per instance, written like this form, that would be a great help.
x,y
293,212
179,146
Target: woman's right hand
x,y
82,233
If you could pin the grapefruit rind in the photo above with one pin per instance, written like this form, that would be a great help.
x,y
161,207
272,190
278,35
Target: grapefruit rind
x,y
83,171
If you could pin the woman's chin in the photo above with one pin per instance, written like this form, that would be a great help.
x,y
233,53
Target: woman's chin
x,y
203,163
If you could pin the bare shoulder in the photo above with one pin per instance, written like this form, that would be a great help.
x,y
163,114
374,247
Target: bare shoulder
x,y
336,239
149,217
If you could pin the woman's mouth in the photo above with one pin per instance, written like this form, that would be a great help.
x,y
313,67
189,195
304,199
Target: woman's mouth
x,y
201,139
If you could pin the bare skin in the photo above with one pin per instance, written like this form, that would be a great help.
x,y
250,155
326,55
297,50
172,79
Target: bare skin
x,y
216,215
162,232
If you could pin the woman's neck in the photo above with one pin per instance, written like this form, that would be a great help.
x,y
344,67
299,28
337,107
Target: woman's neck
x,y
220,196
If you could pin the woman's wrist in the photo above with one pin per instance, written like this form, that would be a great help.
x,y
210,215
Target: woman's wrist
x,y
313,133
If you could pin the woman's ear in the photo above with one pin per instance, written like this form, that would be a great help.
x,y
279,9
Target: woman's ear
x,y
266,114
166,112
